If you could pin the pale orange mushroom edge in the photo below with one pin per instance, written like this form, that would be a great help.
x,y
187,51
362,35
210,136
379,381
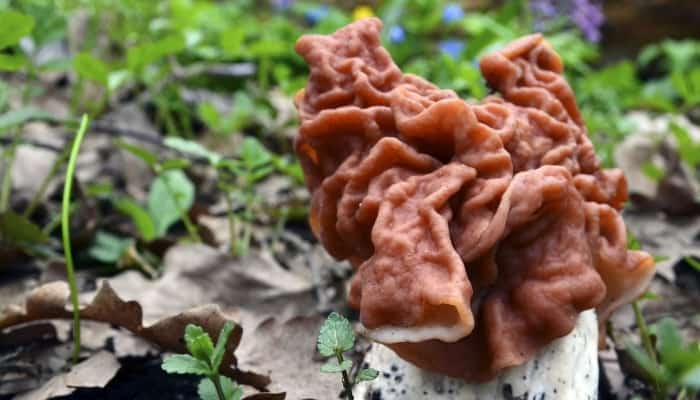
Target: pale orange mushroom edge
x,y
478,232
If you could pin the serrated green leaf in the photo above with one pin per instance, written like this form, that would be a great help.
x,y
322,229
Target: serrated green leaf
x,y
91,68
336,336
333,367
220,349
150,158
367,374
12,62
198,342
14,27
207,391
108,248
139,216
193,149
185,364
171,193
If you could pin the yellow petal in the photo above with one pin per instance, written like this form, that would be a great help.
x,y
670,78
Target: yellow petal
x,y
362,12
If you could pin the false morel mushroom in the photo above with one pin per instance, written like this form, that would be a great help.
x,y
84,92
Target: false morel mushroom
x,y
478,231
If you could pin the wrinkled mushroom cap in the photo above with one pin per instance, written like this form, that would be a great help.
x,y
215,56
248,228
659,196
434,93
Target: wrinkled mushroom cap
x,y
478,232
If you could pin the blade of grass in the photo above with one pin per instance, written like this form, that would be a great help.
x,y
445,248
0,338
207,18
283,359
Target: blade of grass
x,y
65,225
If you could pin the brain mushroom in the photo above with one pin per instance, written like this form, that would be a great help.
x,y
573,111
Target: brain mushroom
x,y
478,232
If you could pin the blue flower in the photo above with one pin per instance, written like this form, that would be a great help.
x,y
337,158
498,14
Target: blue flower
x,y
451,13
397,34
452,47
314,15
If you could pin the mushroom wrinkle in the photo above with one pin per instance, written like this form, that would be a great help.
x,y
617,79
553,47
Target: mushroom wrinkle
x,y
478,232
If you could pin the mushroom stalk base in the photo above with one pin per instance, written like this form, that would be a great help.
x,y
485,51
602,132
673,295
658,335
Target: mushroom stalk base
x,y
565,369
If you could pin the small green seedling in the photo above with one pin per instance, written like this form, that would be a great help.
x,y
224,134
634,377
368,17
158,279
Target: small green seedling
x,y
671,365
204,359
337,337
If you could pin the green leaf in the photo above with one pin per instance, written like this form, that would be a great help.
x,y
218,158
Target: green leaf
x,y
367,374
198,342
14,27
175,163
192,148
220,348
692,262
185,364
253,153
210,115
691,378
91,68
12,62
117,78
150,158
669,343
22,115
139,216
207,390
332,367
17,229
653,172
231,40
688,149
108,248
648,365
171,194
148,53
336,336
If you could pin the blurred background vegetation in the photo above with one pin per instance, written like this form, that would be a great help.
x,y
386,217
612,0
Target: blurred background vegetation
x,y
199,95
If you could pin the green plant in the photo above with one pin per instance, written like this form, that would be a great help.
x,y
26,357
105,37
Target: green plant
x,y
170,197
65,229
672,365
336,338
204,360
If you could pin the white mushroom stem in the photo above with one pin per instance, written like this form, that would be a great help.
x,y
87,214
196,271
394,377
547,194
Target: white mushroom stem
x,y
566,369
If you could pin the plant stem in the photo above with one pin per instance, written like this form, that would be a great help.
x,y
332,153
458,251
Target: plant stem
x,y
65,225
8,162
644,332
217,384
45,183
346,378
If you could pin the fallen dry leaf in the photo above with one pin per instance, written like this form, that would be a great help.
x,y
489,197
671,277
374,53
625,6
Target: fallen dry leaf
x,y
285,351
49,302
95,372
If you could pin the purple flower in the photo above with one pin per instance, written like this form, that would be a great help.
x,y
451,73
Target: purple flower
x,y
452,47
543,8
588,17
315,14
282,5
451,13
397,34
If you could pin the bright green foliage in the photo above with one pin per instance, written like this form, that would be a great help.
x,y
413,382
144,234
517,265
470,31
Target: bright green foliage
x,y
205,359
14,27
336,336
109,248
334,339
678,364
171,195
91,68
207,391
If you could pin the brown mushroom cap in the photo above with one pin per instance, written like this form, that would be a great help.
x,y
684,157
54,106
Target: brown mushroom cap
x,y
478,232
